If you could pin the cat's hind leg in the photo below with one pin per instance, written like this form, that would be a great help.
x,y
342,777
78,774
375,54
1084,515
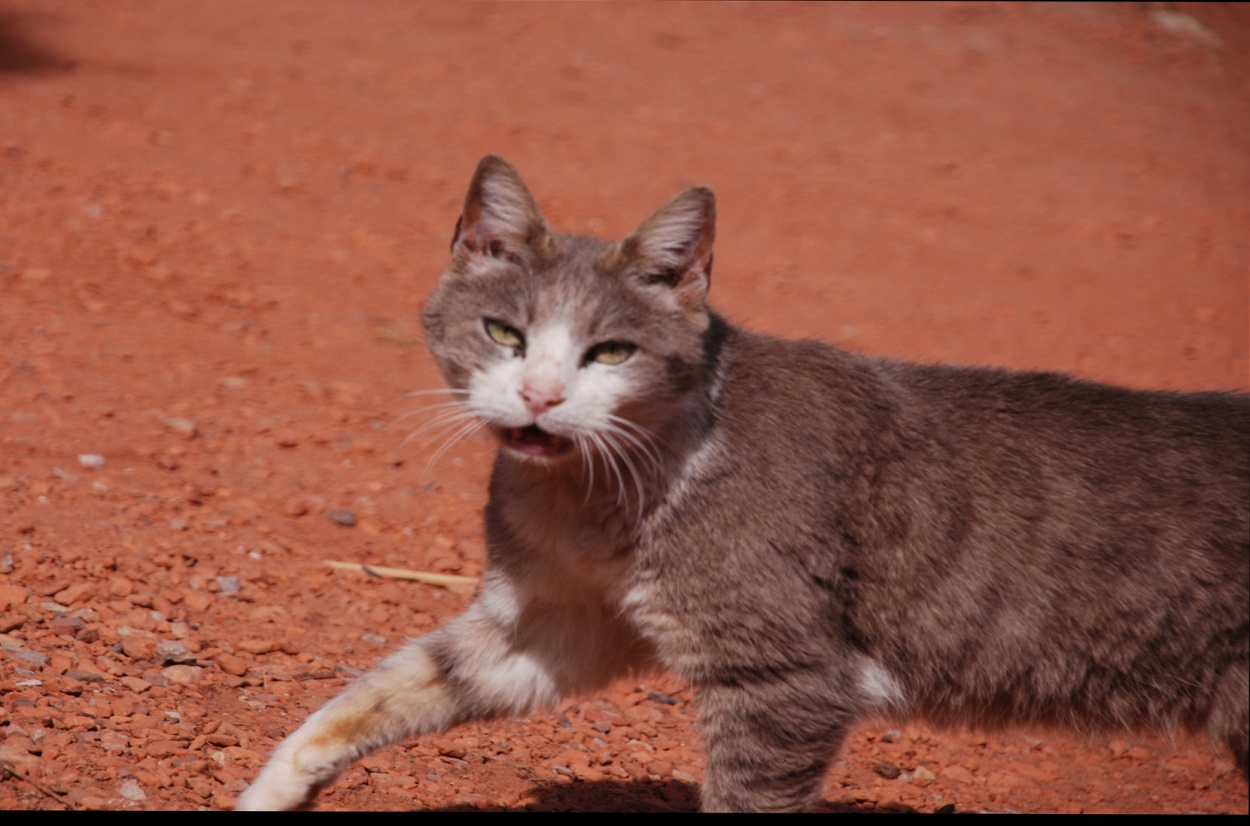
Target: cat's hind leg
x,y
500,658
770,739
1230,716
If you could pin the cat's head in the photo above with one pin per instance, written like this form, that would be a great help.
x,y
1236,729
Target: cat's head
x,y
569,344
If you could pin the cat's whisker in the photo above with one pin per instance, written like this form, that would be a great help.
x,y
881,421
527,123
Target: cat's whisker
x,y
649,467
451,391
640,436
622,498
444,420
643,441
464,425
620,452
589,461
638,480
427,408
597,452
610,460
414,434
464,431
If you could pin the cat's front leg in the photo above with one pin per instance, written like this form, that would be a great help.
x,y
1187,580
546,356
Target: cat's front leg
x,y
407,694
489,662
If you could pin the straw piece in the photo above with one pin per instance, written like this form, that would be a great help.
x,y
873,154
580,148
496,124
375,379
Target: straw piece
x,y
452,582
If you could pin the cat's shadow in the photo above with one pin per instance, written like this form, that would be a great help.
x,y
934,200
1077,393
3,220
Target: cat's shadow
x,y
625,796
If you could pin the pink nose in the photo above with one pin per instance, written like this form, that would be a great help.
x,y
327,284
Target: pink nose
x,y
540,401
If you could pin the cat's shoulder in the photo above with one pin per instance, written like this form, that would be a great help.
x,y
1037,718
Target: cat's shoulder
x,y
757,362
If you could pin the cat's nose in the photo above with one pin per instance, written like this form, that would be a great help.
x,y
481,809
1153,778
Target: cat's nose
x,y
541,400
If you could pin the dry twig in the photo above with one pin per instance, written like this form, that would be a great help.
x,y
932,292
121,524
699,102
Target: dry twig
x,y
452,582
7,770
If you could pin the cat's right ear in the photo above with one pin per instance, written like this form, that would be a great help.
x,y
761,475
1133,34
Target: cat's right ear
x,y
500,218
672,250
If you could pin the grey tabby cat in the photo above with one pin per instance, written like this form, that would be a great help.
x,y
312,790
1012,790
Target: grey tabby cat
x,y
808,535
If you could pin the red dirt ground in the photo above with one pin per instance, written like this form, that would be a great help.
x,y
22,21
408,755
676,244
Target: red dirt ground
x,y
218,221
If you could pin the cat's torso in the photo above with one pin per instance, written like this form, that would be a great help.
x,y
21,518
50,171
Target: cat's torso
x,y
945,528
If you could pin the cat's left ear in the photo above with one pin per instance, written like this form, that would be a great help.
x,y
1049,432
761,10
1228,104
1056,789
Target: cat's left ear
x,y
500,218
673,248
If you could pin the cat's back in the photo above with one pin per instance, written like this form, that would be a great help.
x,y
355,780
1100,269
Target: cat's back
x,y
1130,469
937,458
810,408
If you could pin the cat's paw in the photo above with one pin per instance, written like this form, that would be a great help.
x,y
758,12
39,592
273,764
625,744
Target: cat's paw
x,y
287,783
269,794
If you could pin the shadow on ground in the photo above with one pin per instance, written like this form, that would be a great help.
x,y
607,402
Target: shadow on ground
x,y
21,51
623,796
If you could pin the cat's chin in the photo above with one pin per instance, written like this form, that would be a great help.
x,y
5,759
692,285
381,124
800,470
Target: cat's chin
x,y
534,442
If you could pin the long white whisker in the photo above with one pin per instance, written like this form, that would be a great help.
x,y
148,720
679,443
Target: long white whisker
x,y
644,450
642,442
609,458
633,470
445,420
448,390
610,469
448,442
464,431
588,458
426,409
639,436
639,439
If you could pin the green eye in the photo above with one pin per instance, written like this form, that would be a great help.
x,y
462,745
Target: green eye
x,y
504,335
610,352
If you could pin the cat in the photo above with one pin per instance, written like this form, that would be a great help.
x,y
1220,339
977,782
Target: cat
x,y
808,535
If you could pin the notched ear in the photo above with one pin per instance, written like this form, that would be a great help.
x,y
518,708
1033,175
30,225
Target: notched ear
x,y
500,218
673,248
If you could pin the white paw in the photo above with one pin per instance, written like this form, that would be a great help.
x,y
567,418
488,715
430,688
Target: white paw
x,y
279,788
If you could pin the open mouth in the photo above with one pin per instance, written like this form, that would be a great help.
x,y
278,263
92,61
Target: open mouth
x,y
534,441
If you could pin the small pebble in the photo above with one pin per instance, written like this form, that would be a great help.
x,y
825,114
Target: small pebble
x,y
183,427
132,791
344,517
887,770
169,652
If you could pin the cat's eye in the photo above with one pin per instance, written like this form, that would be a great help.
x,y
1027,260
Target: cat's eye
x,y
504,335
610,352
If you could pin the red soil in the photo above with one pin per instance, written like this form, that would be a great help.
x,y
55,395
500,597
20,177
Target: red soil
x,y
218,221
